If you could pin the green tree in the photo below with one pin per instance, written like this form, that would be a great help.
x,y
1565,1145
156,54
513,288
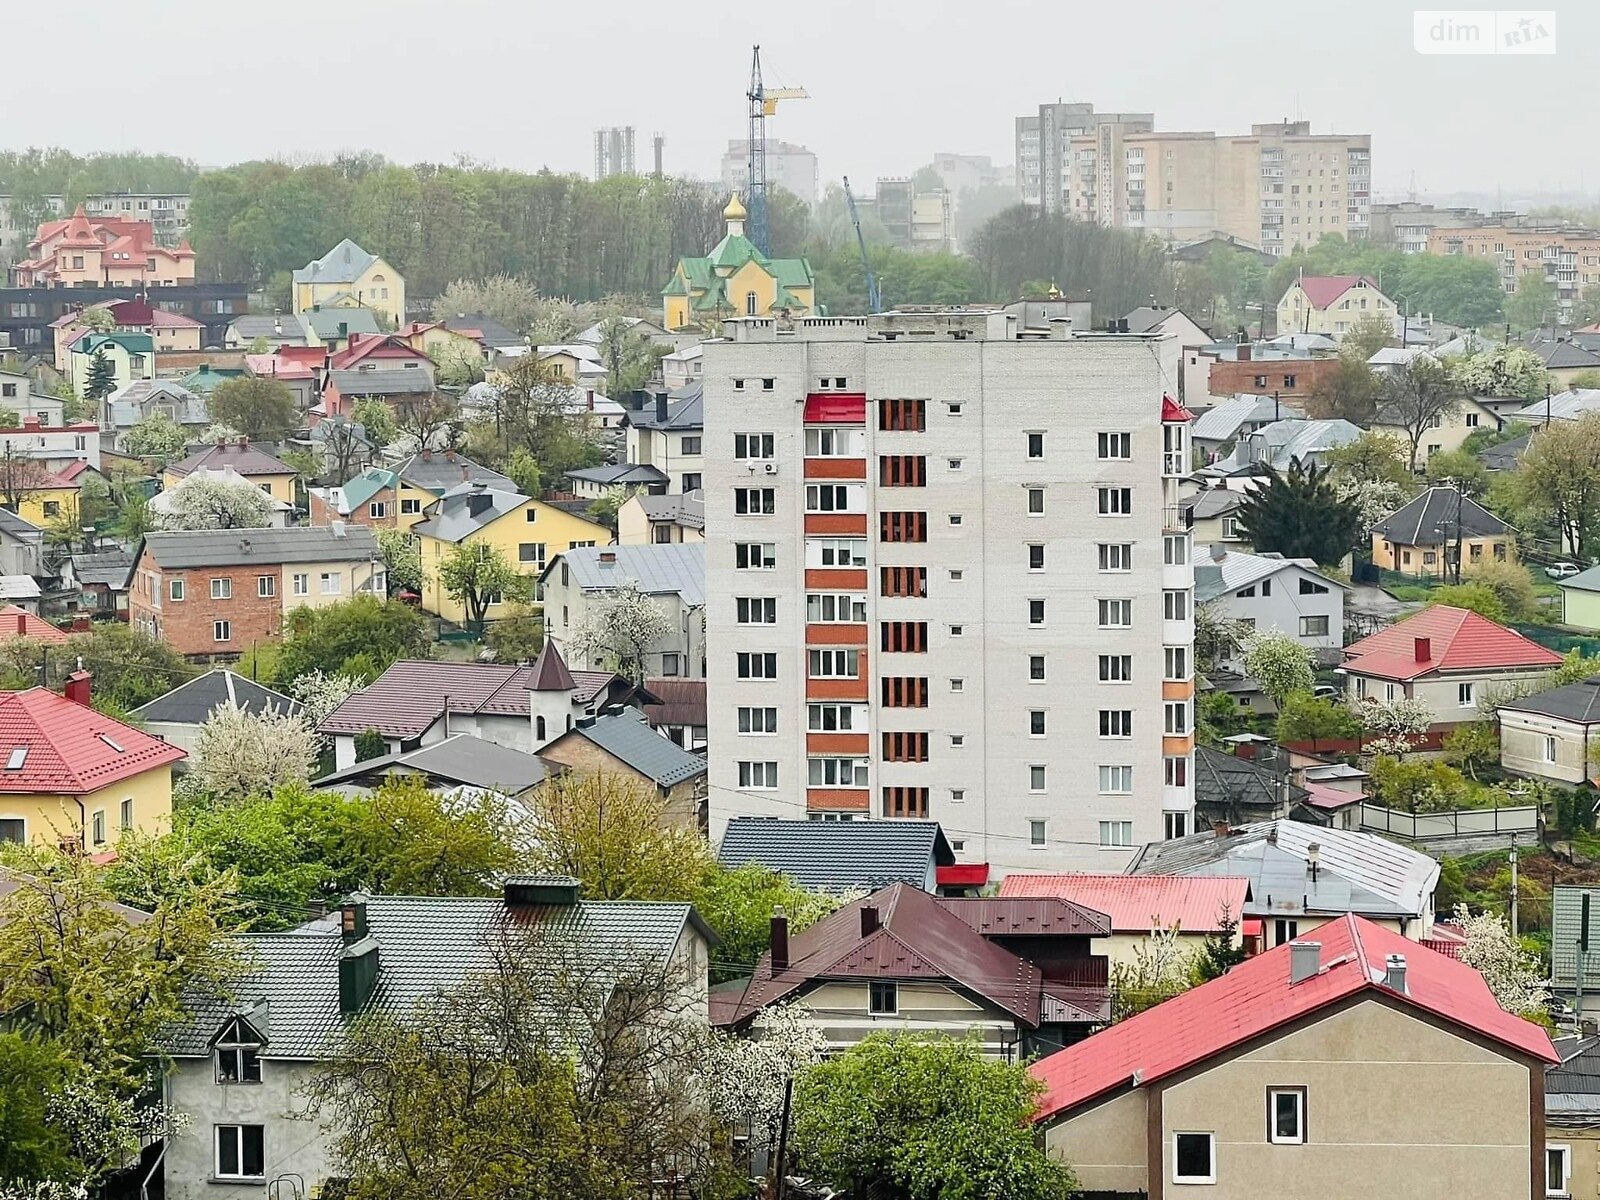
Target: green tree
x,y
1374,457
408,841
1222,950
518,636
475,577
1558,480
1305,718
102,379
1298,513
376,419
738,904
1502,371
129,666
361,636
1279,663
605,508
522,470
1511,582
1533,305
1415,395
33,1144
157,436
1458,469
402,560
370,744
630,358
260,408
898,1115
1475,597
1473,747
1370,333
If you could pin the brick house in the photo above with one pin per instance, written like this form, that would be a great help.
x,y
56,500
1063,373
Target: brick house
x,y
1288,378
214,593
380,365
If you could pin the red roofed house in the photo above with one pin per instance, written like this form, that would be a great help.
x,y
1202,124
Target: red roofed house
x,y
1136,904
66,769
83,251
1356,1065
1331,304
19,622
381,365
1449,658
1020,974
169,331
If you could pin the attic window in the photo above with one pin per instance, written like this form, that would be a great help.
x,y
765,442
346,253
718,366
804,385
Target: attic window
x,y
110,741
19,755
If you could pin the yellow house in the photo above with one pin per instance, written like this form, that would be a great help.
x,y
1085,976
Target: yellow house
x,y
527,532
54,499
348,276
71,771
736,280
272,475
446,347
1331,304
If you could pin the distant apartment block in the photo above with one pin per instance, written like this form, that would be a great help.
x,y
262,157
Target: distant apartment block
x,y
1567,257
791,167
613,151
936,590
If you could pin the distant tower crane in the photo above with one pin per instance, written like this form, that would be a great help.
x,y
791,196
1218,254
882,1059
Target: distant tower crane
x,y
763,103
874,300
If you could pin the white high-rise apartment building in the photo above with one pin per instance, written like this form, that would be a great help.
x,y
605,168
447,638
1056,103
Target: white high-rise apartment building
x,y
948,579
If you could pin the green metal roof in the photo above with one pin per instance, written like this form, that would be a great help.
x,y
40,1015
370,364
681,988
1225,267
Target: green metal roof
x,y
792,272
133,343
367,485
734,250
698,271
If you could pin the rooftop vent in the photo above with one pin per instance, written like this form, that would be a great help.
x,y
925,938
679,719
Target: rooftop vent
x,y
1305,960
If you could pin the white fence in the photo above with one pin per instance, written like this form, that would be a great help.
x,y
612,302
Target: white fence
x,y
1458,822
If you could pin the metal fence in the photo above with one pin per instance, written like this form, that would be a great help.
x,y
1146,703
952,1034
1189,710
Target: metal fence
x,y
1458,822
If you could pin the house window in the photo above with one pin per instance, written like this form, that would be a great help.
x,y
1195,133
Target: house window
x,y
1499,552
1464,696
836,772
221,631
1194,1158
1035,612
1314,626
883,997
1175,605
1307,588
1115,502
827,497
821,718
1177,717
1230,529
1116,833
1549,748
411,507
1114,445
1175,549
758,776
531,552
175,589
1557,1170
330,583
266,585
1286,1116
377,510
97,825
1284,930
749,304
14,830
833,664
301,584
125,815
1116,556
827,608
1035,445
670,664
758,720
1116,781
1116,668
241,1152
749,446
1036,833
1036,777
1175,663
238,1062
222,589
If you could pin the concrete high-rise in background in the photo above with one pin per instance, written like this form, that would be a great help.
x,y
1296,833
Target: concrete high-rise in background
x,y
1277,187
1567,257
791,167
948,578
613,151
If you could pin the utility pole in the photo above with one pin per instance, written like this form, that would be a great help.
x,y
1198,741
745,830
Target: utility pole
x,y
1514,925
783,1124
1583,950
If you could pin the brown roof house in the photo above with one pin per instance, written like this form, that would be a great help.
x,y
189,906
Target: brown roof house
x,y
1018,973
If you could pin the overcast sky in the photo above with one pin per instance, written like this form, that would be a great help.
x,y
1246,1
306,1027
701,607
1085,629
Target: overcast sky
x,y
523,84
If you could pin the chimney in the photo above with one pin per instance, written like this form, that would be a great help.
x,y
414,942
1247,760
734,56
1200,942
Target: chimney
x,y
243,442
1244,351
465,474
779,939
353,919
1220,829
661,407
427,455
79,684
1272,834
338,528
22,624
591,400
479,502
1394,973
1305,960
869,920
1218,552
1424,649
1313,859
344,329
358,960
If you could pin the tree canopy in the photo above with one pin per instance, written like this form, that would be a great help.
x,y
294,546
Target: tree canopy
x,y
1299,513
259,408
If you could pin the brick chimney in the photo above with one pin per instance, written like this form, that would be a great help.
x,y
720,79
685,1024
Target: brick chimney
x,y
1244,352
79,686
779,939
1424,649
869,920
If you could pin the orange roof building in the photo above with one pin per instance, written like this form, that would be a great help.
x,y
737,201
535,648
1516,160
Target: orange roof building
x,y
84,251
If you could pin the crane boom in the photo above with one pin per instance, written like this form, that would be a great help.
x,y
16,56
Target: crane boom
x,y
874,300
763,103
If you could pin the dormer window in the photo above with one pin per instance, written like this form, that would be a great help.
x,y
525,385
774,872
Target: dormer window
x,y
239,1054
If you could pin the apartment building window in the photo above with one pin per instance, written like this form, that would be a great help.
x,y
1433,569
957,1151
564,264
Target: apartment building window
x,y
1036,612
175,589
836,772
1176,768
752,446
904,637
834,664
832,718
758,776
1175,664
1314,626
835,443
1035,445
1036,668
835,608
755,502
905,747
758,720
836,552
1175,605
1114,446
1116,668
1116,781
750,665
902,470
903,416
755,610
905,802
903,526
1175,824
755,556
1036,833
1115,614
1116,556
1036,556
904,691
330,583
1036,778
266,586
903,581
955,518
240,1152
828,497
957,630
1177,717
1116,833
1286,1116
221,631
1115,501
1036,502
1175,549
1116,722
222,589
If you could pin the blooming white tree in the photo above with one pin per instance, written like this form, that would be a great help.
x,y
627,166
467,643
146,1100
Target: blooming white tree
x,y
619,628
205,503
239,755
1279,663
1516,977
1161,967
1375,499
1394,726
318,694
744,1077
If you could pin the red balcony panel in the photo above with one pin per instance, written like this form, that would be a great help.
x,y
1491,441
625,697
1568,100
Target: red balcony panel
x,y
838,799
836,635
845,579
825,524
836,468
837,689
853,744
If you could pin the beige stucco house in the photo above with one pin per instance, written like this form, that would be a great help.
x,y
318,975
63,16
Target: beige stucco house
x,y
1553,735
1424,536
1331,304
348,276
1445,431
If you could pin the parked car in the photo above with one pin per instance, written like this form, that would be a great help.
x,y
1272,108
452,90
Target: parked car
x,y
1326,691
1561,570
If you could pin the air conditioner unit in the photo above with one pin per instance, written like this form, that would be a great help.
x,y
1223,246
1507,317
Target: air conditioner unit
x,y
771,468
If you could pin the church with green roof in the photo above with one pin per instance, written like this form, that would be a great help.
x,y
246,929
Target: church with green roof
x,y
736,280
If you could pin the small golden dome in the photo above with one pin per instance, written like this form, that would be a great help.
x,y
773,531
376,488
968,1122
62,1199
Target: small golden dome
x,y
735,210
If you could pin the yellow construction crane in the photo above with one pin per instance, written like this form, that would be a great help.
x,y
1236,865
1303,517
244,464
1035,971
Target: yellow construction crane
x,y
763,103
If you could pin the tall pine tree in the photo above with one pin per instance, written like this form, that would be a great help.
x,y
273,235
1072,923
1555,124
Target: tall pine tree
x,y
102,377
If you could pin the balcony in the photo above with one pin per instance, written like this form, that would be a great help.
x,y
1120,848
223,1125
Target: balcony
x,y
1174,464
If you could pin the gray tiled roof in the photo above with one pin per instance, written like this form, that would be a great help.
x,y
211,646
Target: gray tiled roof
x,y
1576,702
465,509
191,703
279,327
398,382
438,473
1223,780
686,510
1505,455
1235,570
458,759
108,568
130,402
292,996
20,528
177,549
682,415
343,264
325,322
618,475
1563,406
837,855
495,335
626,736
672,568
1213,502
1222,422
1431,518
